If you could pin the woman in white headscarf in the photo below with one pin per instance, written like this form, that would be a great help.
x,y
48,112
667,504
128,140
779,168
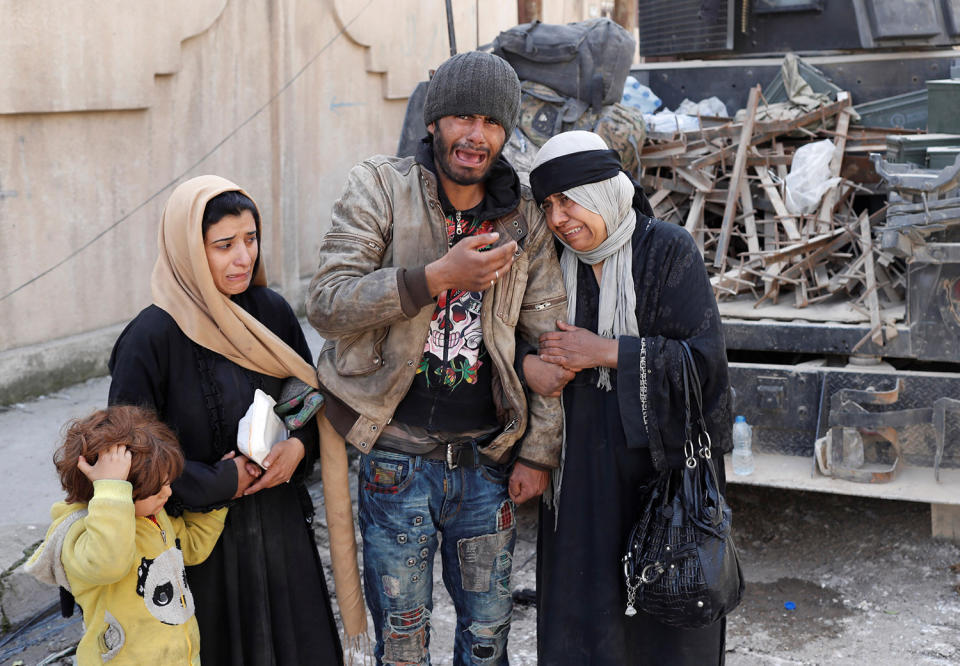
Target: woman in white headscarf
x,y
636,287
214,334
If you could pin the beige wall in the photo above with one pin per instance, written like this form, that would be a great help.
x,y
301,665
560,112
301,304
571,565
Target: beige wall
x,y
105,105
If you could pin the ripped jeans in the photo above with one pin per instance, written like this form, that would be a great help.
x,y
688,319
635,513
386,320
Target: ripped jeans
x,y
405,502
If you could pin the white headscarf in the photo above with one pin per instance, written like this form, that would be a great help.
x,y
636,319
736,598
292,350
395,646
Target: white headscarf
x,y
612,200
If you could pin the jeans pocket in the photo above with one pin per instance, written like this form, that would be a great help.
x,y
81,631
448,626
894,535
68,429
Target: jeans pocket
x,y
386,472
498,474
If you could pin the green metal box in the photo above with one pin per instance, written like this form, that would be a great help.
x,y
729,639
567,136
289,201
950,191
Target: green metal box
x,y
943,106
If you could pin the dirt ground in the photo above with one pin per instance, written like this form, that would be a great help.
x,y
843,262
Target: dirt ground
x,y
869,586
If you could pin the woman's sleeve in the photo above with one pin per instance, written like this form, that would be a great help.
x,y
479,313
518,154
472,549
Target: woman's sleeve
x,y
140,371
649,370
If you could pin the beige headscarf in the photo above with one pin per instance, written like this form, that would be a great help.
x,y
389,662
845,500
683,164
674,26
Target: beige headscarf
x,y
183,286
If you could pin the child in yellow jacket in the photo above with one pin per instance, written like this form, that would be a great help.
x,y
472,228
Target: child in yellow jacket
x,y
115,548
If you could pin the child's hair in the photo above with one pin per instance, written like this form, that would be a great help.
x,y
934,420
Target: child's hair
x,y
156,458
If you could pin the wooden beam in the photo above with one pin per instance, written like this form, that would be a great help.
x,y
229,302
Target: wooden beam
x,y
840,145
739,166
658,196
749,221
698,179
694,223
787,221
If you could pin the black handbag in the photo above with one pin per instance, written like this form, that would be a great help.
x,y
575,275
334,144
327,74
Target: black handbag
x,y
681,564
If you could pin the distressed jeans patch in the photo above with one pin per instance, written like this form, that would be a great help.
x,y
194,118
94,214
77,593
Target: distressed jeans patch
x,y
505,516
405,636
477,556
391,585
405,648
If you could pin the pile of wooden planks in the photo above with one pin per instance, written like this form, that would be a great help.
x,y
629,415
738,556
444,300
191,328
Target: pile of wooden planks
x,y
725,184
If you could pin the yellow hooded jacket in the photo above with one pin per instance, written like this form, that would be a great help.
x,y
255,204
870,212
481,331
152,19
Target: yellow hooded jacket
x,y
127,574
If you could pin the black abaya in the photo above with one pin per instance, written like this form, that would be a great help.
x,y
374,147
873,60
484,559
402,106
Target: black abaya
x,y
581,595
261,597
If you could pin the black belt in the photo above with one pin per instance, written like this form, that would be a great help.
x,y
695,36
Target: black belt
x,y
464,453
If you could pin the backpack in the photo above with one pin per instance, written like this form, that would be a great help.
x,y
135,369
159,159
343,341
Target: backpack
x,y
544,113
589,60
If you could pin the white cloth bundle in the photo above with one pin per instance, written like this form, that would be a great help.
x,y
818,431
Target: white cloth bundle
x,y
260,428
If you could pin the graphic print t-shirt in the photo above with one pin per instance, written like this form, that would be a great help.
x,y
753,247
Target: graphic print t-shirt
x,y
452,388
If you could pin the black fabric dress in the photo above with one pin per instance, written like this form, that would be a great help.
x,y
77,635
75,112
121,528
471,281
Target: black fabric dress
x,y
580,590
261,597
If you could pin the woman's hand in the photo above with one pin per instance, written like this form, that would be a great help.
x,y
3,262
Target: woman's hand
x,y
279,464
112,463
545,378
577,348
247,471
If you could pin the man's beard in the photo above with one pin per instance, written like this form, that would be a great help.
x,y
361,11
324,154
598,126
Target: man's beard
x,y
441,157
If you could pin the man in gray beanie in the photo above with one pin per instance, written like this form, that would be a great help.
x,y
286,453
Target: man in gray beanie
x,y
434,268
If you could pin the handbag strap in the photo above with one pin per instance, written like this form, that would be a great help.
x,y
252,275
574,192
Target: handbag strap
x,y
697,387
693,398
695,427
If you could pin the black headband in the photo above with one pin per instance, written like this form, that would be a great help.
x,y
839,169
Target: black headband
x,y
566,171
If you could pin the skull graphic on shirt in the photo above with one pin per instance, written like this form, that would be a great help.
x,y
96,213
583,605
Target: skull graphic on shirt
x,y
456,319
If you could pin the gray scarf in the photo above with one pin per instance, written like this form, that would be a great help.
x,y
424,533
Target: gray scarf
x,y
611,199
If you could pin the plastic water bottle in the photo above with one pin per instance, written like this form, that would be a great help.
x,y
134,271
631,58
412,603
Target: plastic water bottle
x,y
742,447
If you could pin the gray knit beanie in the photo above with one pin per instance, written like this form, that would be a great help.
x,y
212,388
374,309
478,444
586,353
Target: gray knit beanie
x,y
474,83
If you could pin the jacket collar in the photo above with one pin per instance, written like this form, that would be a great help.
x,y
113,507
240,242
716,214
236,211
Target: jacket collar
x,y
502,186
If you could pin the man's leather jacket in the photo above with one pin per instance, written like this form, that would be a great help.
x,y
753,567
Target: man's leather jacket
x,y
389,219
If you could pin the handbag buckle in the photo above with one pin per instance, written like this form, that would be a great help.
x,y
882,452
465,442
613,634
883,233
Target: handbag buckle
x,y
704,448
651,573
690,453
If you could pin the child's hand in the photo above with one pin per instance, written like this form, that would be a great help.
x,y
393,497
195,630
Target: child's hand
x,y
113,463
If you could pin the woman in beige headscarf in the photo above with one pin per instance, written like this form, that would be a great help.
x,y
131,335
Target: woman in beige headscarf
x,y
213,335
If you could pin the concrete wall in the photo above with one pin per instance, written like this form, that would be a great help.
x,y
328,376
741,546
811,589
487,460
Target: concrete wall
x,y
106,105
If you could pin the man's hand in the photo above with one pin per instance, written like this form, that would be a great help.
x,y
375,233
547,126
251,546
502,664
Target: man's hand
x,y
112,463
466,267
527,482
545,378
577,348
280,464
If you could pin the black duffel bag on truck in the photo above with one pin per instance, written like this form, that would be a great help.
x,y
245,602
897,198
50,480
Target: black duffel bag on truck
x,y
589,60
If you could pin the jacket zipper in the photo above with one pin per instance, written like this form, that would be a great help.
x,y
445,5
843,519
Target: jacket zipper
x,y
156,523
446,318
543,305
183,600
353,238
446,349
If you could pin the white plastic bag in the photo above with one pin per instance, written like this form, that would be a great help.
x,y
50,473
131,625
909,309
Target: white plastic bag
x,y
809,177
711,106
639,96
667,121
260,428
